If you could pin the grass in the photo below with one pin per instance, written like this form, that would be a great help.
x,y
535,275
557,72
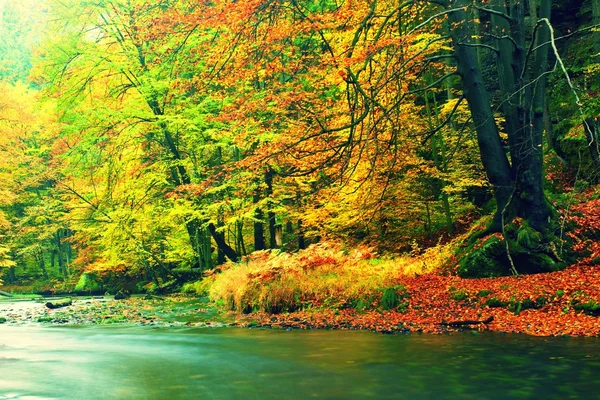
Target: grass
x,y
324,275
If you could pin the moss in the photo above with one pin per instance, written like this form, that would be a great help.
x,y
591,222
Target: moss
x,y
528,237
392,296
515,305
403,307
458,295
389,299
534,263
484,261
89,283
541,301
361,304
494,302
531,253
199,288
484,293
590,307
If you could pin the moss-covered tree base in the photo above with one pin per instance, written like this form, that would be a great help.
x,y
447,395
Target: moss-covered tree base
x,y
532,252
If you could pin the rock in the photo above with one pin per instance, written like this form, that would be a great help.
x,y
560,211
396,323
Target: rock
x,y
122,295
59,303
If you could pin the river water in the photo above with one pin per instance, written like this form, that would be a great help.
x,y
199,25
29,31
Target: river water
x,y
110,362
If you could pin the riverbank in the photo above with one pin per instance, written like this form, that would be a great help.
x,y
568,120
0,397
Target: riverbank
x,y
327,286
168,312
554,304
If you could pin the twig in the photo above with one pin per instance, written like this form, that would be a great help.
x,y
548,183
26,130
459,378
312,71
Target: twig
x,y
457,324
510,260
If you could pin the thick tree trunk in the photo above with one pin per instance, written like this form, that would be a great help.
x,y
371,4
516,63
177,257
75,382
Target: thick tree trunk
x,y
506,73
551,139
592,134
493,157
532,203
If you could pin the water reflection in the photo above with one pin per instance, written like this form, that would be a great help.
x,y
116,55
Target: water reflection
x,y
144,363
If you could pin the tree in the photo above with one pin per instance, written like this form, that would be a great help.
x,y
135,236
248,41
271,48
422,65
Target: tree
x,y
112,55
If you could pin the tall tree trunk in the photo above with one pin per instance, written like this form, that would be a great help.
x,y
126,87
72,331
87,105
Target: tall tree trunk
x,y
532,202
219,238
259,229
205,248
493,157
220,252
240,245
596,21
269,174
42,264
301,239
59,254
592,135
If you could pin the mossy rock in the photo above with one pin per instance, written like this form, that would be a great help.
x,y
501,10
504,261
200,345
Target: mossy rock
x,y
484,261
535,263
490,260
590,307
494,302
89,283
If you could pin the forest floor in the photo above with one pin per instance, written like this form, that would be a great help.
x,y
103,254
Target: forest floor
x,y
551,304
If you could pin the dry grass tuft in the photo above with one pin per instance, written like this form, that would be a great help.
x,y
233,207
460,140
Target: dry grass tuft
x,y
325,274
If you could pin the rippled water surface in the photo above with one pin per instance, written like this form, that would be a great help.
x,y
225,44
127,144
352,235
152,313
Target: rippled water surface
x,y
227,363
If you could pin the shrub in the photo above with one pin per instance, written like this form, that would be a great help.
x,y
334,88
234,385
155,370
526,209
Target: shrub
x,y
324,275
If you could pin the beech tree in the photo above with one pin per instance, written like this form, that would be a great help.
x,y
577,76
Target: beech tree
x,y
521,71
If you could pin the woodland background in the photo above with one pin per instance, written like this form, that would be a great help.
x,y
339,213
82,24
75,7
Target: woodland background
x,y
148,142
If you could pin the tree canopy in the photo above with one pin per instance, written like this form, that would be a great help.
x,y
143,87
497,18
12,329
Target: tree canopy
x,y
146,137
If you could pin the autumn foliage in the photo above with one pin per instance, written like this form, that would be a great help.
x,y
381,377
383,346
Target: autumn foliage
x,y
559,303
325,158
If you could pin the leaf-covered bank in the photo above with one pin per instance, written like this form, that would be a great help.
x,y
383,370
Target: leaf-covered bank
x,y
551,304
326,286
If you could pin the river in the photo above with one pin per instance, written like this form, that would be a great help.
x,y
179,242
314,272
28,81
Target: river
x,y
111,362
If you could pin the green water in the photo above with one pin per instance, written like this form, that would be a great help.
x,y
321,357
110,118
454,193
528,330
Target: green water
x,y
228,363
